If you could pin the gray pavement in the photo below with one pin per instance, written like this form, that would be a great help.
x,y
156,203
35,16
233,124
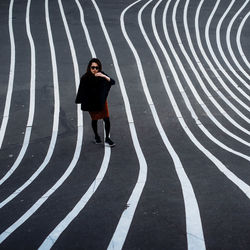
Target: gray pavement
x,y
179,176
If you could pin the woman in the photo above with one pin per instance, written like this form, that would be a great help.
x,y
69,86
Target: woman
x,y
92,94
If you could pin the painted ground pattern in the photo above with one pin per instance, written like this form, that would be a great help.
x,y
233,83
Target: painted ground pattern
x,y
179,177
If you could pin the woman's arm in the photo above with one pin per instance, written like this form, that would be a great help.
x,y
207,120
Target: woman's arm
x,y
80,92
101,74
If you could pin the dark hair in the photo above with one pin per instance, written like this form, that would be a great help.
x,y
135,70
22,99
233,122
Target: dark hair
x,y
94,60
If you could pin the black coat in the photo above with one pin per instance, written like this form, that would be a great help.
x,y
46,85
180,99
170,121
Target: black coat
x,y
93,92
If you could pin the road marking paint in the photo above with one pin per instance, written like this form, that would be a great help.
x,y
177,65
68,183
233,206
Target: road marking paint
x,y
210,96
32,98
218,40
244,57
195,238
230,175
55,121
76,156
195,93
231,51
11,76
127,216
223,84
58,230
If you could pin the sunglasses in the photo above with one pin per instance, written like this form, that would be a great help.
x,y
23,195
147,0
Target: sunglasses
x,y
94,67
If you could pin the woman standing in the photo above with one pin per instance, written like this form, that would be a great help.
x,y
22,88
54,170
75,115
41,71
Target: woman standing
x,y
92,95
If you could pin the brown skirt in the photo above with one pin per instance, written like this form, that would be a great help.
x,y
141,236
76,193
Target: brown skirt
x,y
97,115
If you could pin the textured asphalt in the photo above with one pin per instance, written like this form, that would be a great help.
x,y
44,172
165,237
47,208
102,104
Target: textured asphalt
x,y
162,212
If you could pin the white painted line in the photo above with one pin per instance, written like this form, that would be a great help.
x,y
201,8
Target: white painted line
x,y
215,72
33,68
200,81
116,65
39,202
11,76
193,221
231,176
223,84
85,29
244,57
57,231
20,156
32,100
76,156
218,40
36,173
127,216
55,119
203,86
231,51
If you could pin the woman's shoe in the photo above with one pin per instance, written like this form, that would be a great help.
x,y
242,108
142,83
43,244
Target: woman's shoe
x,y
98,140
109,142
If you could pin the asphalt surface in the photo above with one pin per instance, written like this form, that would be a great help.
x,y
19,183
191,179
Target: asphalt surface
x,y
179,175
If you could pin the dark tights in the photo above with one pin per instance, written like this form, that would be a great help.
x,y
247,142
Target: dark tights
x,y
107,126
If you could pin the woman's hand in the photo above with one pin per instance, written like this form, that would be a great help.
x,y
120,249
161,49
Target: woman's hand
x,y
100,74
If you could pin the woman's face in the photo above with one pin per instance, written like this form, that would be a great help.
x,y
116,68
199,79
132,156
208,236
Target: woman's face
x,y
94,68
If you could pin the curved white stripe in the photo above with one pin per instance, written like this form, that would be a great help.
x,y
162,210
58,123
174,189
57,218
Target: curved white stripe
x,y
57,231
55,121
32,99
238,182
85,29
37,172
193,222
224,85
212,68
218,38
39,203
200,81
20,156
208,78
127,216
70,168
33,69
11,76
238,40
231,51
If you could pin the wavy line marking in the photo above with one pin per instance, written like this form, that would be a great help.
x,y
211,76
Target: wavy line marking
x,y
193,222
218,40
127,216
11,75
58,230
200,81
32,97
76,156
230,175
238,36
55,121
223,84
207,77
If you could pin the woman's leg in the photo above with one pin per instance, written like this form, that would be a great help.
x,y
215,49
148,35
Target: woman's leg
x,y
107,131
107,126
94,127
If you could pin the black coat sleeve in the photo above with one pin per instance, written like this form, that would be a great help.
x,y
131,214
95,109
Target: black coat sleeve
x,y
108,85
112,81
79,95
